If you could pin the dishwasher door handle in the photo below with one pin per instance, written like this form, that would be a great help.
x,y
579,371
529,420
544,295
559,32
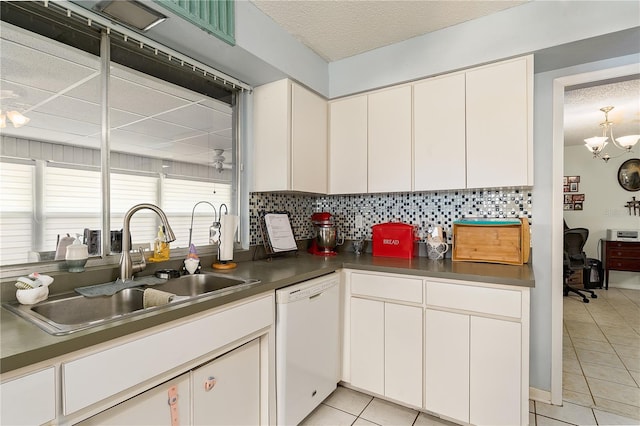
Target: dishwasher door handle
x,y
315,295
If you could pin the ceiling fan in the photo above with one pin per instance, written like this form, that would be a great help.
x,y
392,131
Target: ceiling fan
x,y
218,160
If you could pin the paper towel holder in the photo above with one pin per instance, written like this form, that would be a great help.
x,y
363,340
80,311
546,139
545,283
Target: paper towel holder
x,y
225,263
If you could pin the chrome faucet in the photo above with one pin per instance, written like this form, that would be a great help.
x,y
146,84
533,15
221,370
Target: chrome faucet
x,y
127,268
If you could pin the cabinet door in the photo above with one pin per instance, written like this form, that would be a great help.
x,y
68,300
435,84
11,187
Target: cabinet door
x,y
403,353
29,400
271,129
499,116
348,146
235,397
367,345
439,133
389,127
148,408
308,141
495,372
447,364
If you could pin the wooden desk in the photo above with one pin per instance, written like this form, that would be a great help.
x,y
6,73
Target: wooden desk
x,y
620,256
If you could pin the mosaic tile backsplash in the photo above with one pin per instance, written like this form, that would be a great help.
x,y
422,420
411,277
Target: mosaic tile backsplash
x,y
424,209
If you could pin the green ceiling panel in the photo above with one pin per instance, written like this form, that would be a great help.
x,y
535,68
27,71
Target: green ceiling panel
x,y
214,16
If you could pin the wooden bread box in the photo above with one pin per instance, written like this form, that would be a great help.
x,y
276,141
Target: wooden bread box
x,y
503,241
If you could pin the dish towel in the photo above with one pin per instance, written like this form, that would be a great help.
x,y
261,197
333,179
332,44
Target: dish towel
x,y
153,297
109,289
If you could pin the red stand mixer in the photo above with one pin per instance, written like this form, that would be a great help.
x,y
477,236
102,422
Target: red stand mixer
x,y
326,240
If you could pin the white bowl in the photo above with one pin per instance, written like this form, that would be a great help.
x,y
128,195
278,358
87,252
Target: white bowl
x,y
32,296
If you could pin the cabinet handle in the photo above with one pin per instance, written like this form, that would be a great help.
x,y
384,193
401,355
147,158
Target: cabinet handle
x,y
209,383
173,404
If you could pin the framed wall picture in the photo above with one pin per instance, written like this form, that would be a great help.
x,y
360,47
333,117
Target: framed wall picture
x,y
573,186
629,175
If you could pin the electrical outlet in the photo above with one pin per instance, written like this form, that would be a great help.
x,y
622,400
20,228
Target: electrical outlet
x,y
359,221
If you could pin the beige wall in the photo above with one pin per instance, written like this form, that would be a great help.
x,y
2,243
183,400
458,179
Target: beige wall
x,y
604,202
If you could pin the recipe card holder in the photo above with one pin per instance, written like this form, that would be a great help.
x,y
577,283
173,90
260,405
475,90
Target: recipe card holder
x,y
277,234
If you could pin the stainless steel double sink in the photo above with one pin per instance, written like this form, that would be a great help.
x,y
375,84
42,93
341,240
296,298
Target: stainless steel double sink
x,y
68,313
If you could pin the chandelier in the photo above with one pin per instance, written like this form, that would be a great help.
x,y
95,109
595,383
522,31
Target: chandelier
x,y
597,143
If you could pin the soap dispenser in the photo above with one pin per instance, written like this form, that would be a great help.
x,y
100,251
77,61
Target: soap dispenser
x,y
160,247
77,255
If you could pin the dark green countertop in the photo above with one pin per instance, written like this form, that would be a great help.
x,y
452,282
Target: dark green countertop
x,y
23,344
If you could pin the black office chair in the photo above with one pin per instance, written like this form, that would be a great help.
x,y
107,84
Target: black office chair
x,y
575,260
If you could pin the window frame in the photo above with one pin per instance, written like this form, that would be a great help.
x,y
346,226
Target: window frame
x,y
235,206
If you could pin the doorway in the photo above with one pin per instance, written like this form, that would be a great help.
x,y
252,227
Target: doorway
x,y
596,344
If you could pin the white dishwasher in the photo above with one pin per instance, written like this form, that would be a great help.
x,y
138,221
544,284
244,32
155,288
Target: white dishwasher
x,y
307,347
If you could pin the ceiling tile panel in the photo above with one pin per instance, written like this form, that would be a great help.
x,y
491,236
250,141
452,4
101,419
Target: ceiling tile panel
x,y
156,128
135,98
199,117
29,67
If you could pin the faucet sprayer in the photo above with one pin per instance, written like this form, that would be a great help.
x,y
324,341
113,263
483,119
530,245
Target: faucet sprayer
x,y
127,268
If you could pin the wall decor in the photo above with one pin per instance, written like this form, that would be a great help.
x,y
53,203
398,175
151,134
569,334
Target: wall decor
x,y
572,201
633,205
629,175
571,183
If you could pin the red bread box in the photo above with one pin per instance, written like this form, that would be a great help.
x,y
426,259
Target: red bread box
x,y
395,239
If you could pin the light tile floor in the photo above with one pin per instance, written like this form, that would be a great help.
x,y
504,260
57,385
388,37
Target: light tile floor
x,y
601,352
601,374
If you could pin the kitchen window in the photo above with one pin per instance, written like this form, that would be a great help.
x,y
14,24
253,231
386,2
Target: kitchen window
x,y
171,138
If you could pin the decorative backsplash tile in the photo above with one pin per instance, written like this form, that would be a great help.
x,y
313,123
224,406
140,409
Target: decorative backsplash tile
x,y
424,209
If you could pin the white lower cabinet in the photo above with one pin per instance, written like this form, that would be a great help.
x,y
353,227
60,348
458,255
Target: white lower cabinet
x,y
386,338
495,372
465,343
29,399
446,369
403,353
386,349
367,344
476,353
227,390
472,368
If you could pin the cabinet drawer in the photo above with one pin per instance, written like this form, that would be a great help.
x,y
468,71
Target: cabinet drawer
x,y
148,408
100,375
387,287
621,264
491,301
623,253
626,245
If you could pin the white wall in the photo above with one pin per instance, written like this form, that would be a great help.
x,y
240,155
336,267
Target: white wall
x,y
604,202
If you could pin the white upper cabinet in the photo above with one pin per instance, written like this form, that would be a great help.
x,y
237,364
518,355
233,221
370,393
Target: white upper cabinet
x,y
389,128
470,129
308,141
290,139
348,146
499,124
272,131
439,133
